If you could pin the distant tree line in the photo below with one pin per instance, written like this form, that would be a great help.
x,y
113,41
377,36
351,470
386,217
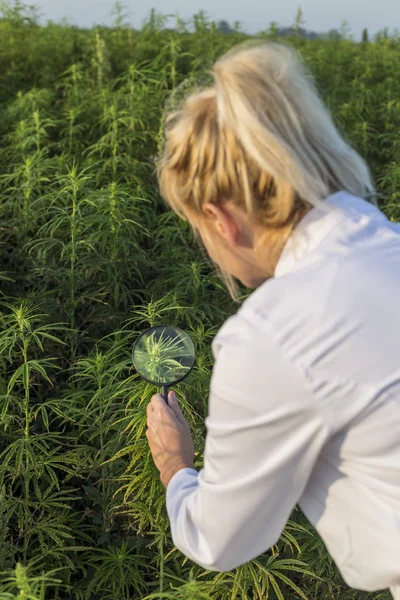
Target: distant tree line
x,y
18,13
225,28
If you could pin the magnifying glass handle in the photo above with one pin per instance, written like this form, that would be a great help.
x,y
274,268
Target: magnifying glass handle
x,y
164,393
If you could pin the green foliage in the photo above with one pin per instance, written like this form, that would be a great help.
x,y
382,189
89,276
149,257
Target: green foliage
x,y
90,258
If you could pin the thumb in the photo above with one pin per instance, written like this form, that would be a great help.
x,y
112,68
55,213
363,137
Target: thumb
x,y
174,406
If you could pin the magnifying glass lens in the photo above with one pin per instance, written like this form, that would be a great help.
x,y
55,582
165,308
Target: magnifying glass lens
x,y
163,355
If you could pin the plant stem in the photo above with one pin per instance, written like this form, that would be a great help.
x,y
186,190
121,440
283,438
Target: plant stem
x,y
27,433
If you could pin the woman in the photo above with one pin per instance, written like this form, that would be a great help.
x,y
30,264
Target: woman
x,y
304,402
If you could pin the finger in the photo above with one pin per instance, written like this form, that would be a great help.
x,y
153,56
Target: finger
x,y
174,405
159,403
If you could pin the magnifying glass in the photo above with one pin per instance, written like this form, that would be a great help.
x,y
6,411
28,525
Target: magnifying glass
x,y
163,356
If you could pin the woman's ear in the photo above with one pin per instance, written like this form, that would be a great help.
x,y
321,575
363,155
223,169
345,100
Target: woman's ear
x,y
223,221
211,211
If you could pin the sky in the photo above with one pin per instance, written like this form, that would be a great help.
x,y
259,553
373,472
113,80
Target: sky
x,y
254,15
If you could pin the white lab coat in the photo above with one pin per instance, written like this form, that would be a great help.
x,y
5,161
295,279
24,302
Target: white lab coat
x,y
304,406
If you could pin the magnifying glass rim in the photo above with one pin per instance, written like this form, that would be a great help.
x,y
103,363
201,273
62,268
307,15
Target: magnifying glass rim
x,y
158,384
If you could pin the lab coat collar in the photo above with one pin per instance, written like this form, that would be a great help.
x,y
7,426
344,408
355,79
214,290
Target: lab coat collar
x,y
316,225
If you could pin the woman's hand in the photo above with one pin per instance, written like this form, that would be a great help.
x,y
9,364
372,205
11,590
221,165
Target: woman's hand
x,y
169,436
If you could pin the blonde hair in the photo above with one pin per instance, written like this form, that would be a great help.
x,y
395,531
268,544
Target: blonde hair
x,y
260,137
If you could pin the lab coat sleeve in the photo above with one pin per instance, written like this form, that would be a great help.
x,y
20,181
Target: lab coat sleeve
x,y
264,435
